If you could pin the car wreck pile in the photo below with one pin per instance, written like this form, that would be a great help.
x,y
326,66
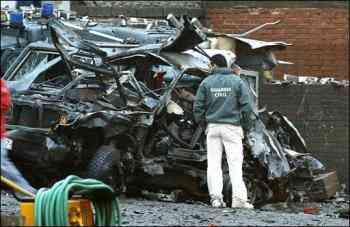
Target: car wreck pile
x,y
122,113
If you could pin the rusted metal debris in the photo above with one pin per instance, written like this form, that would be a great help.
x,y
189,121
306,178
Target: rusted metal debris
x,y
124,115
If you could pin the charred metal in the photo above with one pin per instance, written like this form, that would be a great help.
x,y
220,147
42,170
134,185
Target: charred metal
x,y
124,115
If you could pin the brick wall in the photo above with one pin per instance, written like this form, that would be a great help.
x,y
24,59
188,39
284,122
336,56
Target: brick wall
x,y
319,33
321,113
319,30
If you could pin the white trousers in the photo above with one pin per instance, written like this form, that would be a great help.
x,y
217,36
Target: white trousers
x,y
220,136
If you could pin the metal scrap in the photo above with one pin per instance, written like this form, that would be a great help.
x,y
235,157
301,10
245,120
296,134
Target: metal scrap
x,y
126,118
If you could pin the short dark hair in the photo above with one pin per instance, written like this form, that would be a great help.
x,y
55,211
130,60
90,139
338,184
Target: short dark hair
x,y
219,60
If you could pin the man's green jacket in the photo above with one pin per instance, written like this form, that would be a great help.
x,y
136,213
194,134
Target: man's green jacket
x,y
222,98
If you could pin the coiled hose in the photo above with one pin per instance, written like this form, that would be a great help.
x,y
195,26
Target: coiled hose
x,y
51,206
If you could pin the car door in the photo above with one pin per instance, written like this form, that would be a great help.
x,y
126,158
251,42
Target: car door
x,y
36,71
34,65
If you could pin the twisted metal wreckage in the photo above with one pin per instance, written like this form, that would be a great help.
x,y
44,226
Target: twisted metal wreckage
x,y
123,114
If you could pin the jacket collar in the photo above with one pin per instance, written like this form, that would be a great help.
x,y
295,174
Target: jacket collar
x,y
222,70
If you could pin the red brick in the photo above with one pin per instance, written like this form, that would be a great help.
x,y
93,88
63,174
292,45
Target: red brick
x,y
320,36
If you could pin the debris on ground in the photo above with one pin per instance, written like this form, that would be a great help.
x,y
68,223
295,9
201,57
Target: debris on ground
x,y
154,213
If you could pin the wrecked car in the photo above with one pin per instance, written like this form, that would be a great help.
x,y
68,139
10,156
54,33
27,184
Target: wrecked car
x,y
117,119
119,32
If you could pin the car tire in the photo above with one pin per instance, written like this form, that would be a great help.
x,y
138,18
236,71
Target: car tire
x,y
101,166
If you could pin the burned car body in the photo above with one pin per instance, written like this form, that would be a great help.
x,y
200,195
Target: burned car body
x,y
15,38
118,120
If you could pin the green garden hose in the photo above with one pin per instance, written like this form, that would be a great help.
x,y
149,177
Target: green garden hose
x,y
51,206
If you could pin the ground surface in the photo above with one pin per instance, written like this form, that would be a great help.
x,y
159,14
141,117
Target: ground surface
x,y
146,212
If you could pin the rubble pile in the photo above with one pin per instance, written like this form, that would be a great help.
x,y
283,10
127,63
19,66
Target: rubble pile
x,y
310,80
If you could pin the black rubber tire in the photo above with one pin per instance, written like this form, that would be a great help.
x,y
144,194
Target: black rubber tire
x,y
8,56
101,166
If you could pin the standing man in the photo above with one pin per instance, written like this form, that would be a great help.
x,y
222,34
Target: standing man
x,y
220,101
8,169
